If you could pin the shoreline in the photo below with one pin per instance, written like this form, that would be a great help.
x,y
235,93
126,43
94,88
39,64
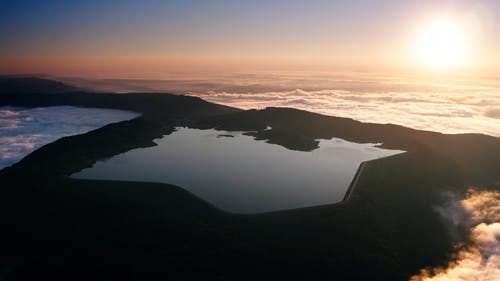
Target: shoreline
x,y
354,182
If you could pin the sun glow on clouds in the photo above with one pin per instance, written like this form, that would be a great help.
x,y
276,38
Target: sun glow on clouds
x,y
480,260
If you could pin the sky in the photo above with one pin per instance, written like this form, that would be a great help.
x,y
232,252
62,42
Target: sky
x,y
146,39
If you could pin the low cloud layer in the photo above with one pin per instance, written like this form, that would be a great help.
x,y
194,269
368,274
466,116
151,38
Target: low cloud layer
x,y
493,112
24,130
455,106
480,260
460,112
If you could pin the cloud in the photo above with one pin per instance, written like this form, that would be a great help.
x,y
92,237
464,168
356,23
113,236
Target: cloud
x,y
493,112
8,113
6,124
461,112
481,259
460,106
24,130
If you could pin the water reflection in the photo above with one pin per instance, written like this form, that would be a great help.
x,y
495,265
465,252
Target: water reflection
x,y
239,174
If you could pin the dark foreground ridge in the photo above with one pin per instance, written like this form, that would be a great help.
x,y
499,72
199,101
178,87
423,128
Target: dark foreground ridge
x,y
354,182
56,228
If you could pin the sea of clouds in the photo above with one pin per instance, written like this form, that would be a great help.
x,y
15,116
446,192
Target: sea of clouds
x,y
452,110
458,105
23,130
479,212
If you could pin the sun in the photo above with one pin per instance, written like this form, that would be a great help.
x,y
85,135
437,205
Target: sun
x,y
442,44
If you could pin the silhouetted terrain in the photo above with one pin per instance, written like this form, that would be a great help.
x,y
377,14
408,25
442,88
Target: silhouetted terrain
x,y
58,228
29,85
156,107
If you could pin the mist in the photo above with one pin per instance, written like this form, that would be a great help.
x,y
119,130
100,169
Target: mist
x,y
23,130
478,259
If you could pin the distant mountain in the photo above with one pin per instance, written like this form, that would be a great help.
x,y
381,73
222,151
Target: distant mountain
x,y
32,85
35,92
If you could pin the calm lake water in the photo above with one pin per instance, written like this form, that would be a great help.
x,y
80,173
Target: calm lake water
x,y
238,174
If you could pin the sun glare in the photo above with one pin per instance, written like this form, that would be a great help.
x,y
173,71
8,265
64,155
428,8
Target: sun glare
x,y
442,44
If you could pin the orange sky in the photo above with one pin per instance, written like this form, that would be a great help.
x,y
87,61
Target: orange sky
x,y
129,39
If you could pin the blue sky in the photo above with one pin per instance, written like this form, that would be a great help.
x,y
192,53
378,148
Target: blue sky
x,y
189,31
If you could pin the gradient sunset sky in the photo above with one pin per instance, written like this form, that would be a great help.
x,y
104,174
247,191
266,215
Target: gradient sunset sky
x,y
145,39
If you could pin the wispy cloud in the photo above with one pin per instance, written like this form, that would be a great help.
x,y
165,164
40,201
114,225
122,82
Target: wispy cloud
x,y
24,130
480,212
493,112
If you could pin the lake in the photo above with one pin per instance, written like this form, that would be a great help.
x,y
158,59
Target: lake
x,y
239,174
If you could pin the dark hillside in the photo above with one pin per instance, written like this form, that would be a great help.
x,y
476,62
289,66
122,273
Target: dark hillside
x,y
56,228
31,85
